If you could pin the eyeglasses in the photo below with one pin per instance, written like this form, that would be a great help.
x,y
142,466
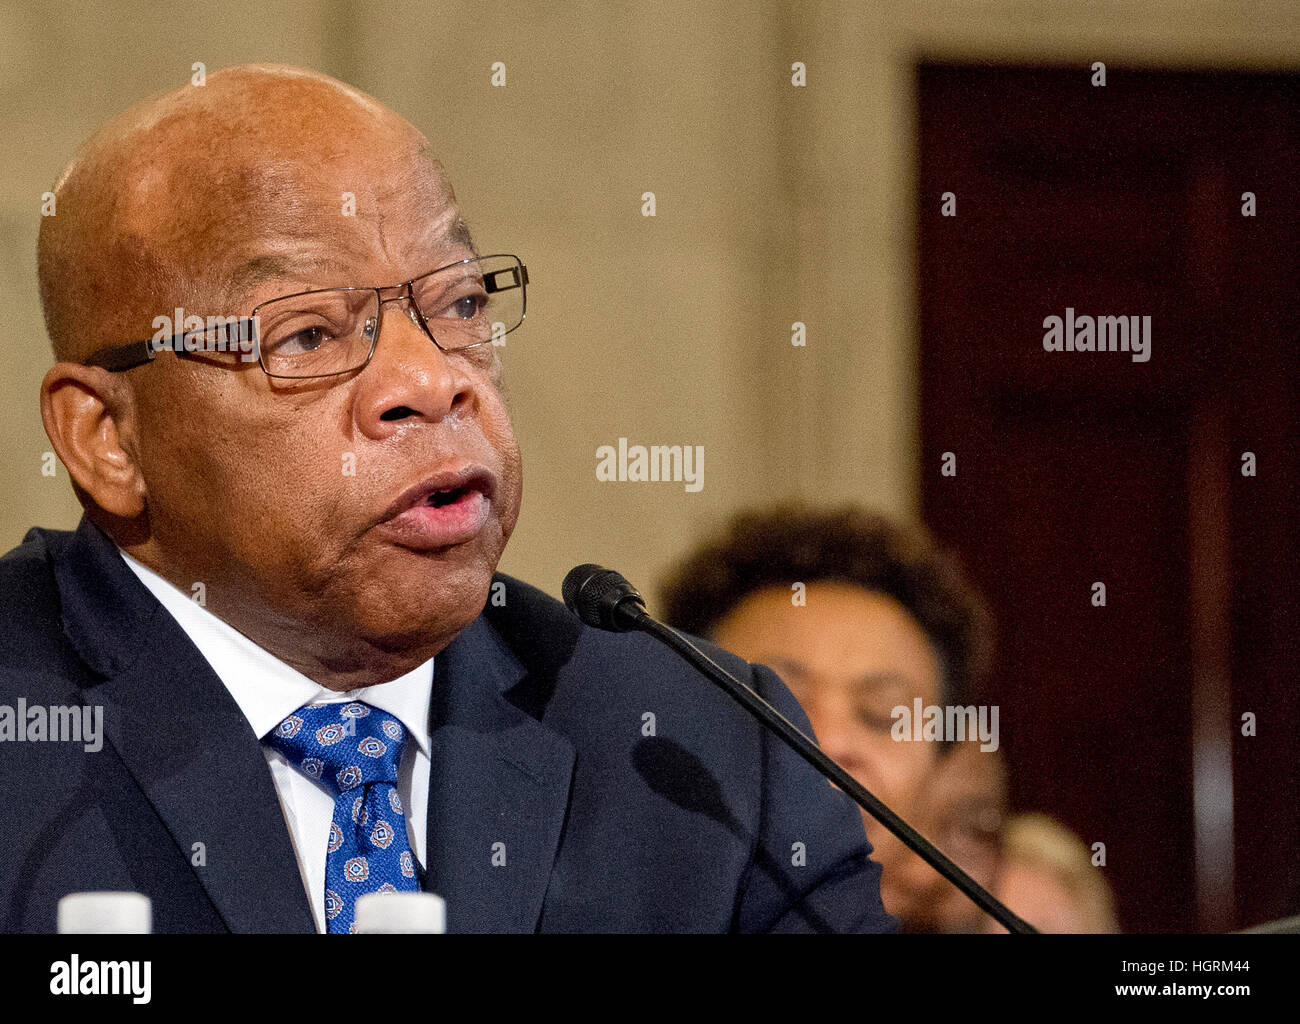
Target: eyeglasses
x,y
331,331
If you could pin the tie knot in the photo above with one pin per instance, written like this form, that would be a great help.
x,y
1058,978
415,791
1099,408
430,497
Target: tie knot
x,y
341,746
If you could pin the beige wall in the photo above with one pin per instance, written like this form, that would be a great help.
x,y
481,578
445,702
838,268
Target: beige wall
x,y
775,204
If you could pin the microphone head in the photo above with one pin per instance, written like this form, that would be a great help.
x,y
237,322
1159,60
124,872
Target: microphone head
x,y
602,598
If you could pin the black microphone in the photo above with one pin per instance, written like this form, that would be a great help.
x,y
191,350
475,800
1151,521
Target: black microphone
x,y
602,598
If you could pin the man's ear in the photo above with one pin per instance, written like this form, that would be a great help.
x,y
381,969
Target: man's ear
x,y
89,417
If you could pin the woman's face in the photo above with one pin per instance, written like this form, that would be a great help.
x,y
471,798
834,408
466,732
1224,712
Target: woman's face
x,y
850,656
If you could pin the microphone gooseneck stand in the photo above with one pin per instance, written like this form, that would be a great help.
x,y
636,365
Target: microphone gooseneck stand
x,y
604,599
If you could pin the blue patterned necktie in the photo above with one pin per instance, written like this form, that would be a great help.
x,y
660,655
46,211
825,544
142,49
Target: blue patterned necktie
x,y
353,751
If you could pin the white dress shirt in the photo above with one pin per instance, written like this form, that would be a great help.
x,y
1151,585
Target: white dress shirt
x,y
268,691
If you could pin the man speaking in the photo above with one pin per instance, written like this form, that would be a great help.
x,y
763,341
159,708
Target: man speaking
x,y
281,599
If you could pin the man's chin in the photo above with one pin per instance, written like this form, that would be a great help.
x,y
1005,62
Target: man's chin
x,y
423,596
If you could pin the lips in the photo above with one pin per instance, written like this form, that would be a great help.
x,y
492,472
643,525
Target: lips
x,y
446,509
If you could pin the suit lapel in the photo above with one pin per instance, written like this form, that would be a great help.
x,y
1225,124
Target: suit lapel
x,y
498,791
183,738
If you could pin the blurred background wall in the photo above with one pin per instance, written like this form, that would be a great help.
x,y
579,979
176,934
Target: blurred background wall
x,y
774,204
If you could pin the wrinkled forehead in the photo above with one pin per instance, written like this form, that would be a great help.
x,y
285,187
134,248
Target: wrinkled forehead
x,y
229,196
350,221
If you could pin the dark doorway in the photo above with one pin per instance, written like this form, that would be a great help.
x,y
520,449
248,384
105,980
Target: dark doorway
x,y
1083,467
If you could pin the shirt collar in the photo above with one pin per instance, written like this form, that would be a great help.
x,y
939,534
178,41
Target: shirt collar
x,y
266,689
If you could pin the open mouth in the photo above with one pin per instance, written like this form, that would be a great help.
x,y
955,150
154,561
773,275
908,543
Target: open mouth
x,y
447,510
438,499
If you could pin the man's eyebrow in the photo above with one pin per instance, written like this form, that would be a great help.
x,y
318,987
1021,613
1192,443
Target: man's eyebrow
x,y
301,265
267,268
460,234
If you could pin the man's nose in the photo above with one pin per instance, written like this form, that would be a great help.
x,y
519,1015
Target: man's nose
x,y
408,377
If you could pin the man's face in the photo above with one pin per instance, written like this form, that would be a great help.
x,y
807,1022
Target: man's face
x,y
850,656
293,499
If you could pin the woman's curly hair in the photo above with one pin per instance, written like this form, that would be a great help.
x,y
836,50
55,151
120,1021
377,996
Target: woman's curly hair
x,y
792,543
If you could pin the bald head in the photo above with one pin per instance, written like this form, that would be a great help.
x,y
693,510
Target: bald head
x,y
157,207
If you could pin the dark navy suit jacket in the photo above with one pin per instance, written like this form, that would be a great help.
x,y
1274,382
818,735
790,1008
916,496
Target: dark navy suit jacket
x,y
539,741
